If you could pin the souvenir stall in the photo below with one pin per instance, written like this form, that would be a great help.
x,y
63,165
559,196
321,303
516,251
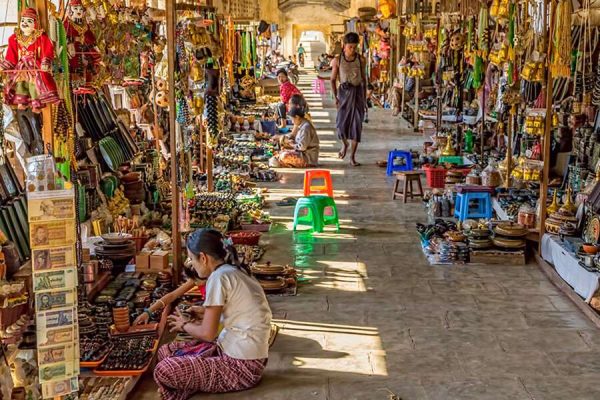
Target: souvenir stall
x,y
569,245
378,30
112,161
500,138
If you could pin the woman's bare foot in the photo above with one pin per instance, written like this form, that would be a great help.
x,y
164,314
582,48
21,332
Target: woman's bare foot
x,y
342,153
355,163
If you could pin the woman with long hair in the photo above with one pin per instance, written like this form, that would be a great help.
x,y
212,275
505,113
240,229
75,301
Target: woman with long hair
x,y
215,362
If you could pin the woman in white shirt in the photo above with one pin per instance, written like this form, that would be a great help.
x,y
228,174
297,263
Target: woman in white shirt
x,y
300,148
237,358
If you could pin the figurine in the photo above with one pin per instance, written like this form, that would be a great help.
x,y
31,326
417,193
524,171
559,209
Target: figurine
x,y
28,63
84,55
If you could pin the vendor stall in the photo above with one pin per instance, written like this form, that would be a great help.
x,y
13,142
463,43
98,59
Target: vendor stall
x,y
500,146
121,161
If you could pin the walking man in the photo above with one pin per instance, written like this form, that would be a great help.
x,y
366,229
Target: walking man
x,y
350,96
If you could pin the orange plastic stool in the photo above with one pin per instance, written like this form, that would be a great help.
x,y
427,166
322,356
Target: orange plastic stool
x,y
314,174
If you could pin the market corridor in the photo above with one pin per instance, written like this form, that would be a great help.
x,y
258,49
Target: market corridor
x,y
374,319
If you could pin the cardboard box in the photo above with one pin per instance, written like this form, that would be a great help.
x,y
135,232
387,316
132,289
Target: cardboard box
x,y
159,260
142,261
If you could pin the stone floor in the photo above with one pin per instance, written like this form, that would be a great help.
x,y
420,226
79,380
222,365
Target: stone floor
x,y
374,319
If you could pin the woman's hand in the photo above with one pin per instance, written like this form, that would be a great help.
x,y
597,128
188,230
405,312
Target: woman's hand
x,y
176,322
142,319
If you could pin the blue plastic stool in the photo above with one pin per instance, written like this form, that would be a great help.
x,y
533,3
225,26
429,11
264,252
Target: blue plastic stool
x,y
315,216
463,210
395,154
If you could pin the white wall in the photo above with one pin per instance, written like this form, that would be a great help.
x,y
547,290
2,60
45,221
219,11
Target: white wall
x,y
8,13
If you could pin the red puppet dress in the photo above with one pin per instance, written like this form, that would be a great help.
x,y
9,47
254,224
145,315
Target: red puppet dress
x,y
83,65
28,61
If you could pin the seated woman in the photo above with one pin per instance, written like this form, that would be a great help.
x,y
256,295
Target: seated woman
x,y
238,357
286,90
300,148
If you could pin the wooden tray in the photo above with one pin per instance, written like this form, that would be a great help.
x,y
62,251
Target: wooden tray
x,y
495,257
94,364
136,372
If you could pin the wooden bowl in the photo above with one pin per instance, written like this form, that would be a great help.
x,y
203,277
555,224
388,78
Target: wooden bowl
x,y
589,248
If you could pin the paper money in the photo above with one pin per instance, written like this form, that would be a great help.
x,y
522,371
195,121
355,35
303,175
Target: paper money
x,y
60,388
51,206
56,319
50,234
55,279
56,299
55,354
50,337
57,372
54,258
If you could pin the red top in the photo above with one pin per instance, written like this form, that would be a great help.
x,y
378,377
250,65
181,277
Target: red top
x,y
287,90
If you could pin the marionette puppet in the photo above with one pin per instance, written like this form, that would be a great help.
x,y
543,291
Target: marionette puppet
x,y
28,66
84,55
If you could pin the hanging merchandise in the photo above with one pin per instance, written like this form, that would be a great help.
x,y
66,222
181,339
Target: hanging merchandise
x,y
84,55
28,64
560,63
482,47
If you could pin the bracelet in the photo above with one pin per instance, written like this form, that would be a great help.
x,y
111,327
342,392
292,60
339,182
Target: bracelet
x,y
147,311
163,303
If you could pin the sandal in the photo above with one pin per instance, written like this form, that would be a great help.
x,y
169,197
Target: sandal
x,y
287,202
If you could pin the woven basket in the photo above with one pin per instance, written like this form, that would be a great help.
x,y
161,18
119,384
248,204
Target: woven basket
x,y
248,238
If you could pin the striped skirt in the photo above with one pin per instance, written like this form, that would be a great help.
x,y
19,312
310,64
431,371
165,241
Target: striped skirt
x,y
210,371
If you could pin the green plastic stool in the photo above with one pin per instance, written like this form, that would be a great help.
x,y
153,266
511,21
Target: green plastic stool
x,y
315,217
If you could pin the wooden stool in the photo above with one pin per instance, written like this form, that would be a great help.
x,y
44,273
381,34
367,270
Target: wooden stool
x,y
406,179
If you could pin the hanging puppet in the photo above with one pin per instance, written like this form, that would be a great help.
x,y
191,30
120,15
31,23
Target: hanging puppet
x,y
84,55
28,65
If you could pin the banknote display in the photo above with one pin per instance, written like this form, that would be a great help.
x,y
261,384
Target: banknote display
x,y
55,279
55,354
61,318
59,388
51,206
53,258
50,337
53,233
59,371
56,299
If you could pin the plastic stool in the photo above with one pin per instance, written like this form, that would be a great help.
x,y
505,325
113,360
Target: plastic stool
x,y
315,216
311,175
406,166
463,211
318,86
